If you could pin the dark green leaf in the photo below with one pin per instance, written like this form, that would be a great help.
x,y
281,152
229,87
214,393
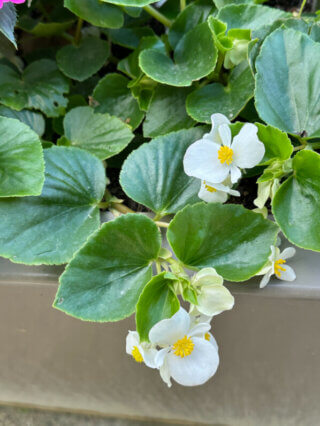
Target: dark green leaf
x,y
50,228
296,203
100,134
233,240
104,280
96,12
8,19
157,302
82,61
130,37
34,120
21,160
153,175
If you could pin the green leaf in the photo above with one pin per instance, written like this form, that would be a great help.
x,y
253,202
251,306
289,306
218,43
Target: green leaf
x,y
41,86
228,100
190,63
130,37
249,16
233,240
21,160
32,119
50,228
100,134
153,175
104,280
287,74
194,14
114,97
96,12
131,3
8,19
167,112
278,145
82,61
296,203
44,29
157,302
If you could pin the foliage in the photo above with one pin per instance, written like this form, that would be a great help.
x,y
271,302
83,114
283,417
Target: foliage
x,y
123,88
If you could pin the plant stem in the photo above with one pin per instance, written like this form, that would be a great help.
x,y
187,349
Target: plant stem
x,y
158,266
158,16
301,8
122,208
67,36
162,224
77,36
182,5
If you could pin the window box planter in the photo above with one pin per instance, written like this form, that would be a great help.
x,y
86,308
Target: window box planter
x,y
269,345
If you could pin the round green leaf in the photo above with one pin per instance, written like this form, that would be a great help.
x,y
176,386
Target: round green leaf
x,y
228,100
100,134
157,302
296,203
233,240
277,144
167,112
50,228
41,86
82,61
153,175
194,14
249,16
190,63
114,97
104,280
32,119
96,12
287,76
129,37
21,160
44,29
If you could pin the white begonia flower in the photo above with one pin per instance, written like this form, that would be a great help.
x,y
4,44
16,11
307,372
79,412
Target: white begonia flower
x,y
213,297
140,351
196,318
187,357
216,192
209,161
277,266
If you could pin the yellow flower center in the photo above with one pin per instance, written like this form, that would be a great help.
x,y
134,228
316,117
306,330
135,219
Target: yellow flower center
x,y
209,188
225,155
207,337
183,347
136,354
278,268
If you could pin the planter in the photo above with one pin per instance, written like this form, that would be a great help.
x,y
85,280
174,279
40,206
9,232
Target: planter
x,y
269,347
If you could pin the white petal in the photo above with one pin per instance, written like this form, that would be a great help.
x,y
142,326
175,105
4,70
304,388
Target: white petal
x,y
213,342
216,120
201,161
165,374
215,299
225,134
266,279
234,193
275,252
287,253
149,356
248,151
168,331
197,317
207,276
212,196
288,274
161,356
196,368
199,330
235,173
132,340
266,268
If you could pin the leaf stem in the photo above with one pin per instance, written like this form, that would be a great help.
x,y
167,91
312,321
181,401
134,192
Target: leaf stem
x,y
301,8
158,267
157,15
122,208
182,5
162,224
77,36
